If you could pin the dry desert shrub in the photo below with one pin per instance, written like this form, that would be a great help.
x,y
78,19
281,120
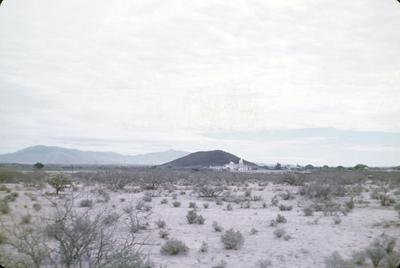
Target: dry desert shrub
x,y
279,233
217,227
203,247
161,224
232,239
176,204
174,247
86,203
163,234
192,218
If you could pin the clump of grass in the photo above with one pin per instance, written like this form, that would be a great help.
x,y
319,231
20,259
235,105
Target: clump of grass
x,y
203,247
111,218
193,205
86,203
375,254
279,233
164,201
11,197
37,206
192,217
163,234
232,239
147,197
3,238
392,260
283,207
217,227
337,220
4,207
253,231
176,204
359,257
161,224
335,261
26,219
287,195
280,219
229,207
308,211
205,205
174,247
4,188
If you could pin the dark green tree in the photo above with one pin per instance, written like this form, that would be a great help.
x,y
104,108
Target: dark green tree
x,y
38,165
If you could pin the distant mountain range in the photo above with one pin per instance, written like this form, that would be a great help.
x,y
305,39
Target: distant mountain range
x,y
59,155
206,159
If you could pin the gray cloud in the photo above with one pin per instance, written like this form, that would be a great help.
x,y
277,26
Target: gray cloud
x,y
159,73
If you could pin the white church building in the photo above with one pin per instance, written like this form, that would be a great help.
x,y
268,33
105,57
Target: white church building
x,y
241,166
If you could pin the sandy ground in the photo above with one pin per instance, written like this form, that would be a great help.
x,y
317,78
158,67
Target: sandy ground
x,y
313,237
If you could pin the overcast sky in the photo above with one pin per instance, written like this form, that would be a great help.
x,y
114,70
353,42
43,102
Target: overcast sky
x,y
290,81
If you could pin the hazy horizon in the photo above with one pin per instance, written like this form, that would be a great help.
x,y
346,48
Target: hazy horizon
x,y
270,81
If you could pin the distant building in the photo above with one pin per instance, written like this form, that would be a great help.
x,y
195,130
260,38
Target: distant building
x,y
241,166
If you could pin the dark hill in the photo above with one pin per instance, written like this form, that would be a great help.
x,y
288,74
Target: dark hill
x,y
206,159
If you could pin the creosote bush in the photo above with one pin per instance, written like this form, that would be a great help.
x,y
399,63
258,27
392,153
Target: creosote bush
x,y
174,247
232,239
280,219
176,204
192,217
